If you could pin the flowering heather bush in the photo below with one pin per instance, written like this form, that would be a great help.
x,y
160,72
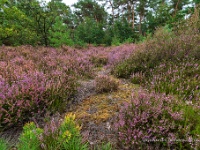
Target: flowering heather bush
x,y
154,120
36,80
182,79
120,53
105,83
22,99
137,78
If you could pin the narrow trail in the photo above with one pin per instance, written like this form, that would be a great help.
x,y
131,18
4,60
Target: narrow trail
x,y
96,112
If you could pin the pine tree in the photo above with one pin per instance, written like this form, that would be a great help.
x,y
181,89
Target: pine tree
x,y
59,35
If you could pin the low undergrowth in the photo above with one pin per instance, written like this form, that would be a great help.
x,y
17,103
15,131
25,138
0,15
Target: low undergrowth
x,y
104,83
56,134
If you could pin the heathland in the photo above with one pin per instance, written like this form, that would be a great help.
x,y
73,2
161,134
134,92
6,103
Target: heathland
x,y
141,95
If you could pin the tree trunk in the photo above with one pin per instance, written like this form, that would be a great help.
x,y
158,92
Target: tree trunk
x,y
113,14
176,8
140,24
133,17
45,33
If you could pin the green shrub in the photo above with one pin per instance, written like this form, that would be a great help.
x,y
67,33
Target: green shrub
x,y
105,83
115,41
123,69
56,134
136,63
29,138
59,35
128,41
79,44
62,135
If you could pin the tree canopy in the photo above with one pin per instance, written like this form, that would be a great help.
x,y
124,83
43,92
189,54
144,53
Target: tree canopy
x,y
53,23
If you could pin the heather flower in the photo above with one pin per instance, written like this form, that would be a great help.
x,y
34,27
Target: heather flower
x,y
150,117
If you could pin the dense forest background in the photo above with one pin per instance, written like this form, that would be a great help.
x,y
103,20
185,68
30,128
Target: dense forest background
x,y
98,22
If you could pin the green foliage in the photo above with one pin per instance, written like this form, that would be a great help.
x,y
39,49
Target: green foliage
x,y
34,22
71,130
123,69
28,22
3,145
78,43
161,17
104,146
15,25
29,138
59,34
90,32
192,119
122,30
108,37
115,41
129,41
90,9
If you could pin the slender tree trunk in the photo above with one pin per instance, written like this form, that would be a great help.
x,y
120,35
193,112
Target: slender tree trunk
x,y
112,7
140,24
133,17
45,32
129,11
176,8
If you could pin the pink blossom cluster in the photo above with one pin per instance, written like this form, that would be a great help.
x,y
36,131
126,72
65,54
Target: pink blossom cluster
x,y
36,79
148,117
